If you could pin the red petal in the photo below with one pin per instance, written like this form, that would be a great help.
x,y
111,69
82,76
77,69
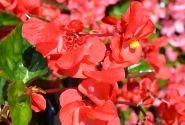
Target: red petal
x,y
145,31
115,121
132,56
106,112
38,31
87,118
67,113
107,76
116,48
159,42
110,20
38,102
133,17
44,49
139,25
96,51
77,71
69,96
71,58
164,73
98,92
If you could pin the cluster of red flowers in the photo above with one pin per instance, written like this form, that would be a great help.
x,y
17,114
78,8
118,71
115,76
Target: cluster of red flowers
x,y
98,50
75,53
34,7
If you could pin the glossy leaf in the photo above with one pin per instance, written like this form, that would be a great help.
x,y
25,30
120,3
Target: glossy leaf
x,y
33,60
7,19
141,67
19,102
11,62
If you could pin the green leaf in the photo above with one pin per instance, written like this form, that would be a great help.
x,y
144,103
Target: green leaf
x,y
11,62
19,102
162,83
119,10
143,66
153,36
33,60
124,7
116,12
124,115
7,19
2,90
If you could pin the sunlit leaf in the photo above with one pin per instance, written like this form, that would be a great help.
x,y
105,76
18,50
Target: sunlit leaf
x,y
12,48
141,67
19,102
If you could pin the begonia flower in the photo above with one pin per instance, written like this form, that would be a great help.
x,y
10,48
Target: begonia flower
x,y
79,112
126,47
71,50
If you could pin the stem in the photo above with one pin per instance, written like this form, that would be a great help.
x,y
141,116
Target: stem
x,y
134,75
126,103
142,111
56,90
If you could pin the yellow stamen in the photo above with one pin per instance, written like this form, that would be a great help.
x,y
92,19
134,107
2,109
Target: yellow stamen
x,y
134,44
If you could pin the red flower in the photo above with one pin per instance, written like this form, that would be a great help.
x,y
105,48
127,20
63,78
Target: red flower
x,y
167,112
151,53
101,86
135,27
67,52
39,33
139,92
76,111
38,103
172,110
98,92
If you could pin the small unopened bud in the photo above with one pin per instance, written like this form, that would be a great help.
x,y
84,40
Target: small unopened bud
x,y
76,25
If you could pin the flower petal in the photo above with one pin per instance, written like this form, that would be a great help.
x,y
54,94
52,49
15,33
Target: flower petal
x,y
97,92
71,58
38,31
69,96
38,103
96,51
108,76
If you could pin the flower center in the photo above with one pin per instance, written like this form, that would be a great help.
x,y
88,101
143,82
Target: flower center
x,y
134,44
70,41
